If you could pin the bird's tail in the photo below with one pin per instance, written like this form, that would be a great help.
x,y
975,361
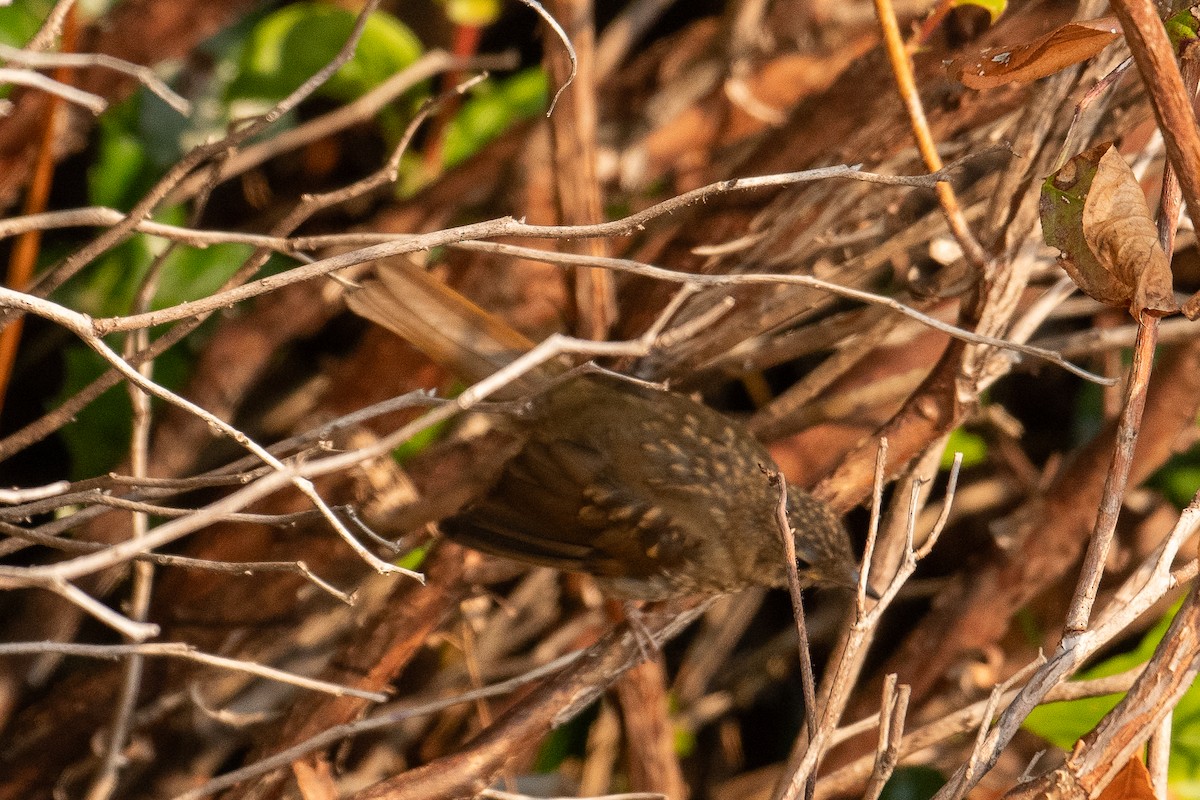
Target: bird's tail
x,y
441,323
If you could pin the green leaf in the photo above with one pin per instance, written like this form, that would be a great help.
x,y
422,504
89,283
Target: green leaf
x,y
420,441
973,447
1179,480
287,47
492,108
685,741
413,559
109,286
20,21
565,741
912,783
1094,211
1063,724
120,173
97,439
1182,28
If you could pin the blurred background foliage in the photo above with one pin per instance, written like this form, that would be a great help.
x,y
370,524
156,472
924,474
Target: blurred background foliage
x,y
247,69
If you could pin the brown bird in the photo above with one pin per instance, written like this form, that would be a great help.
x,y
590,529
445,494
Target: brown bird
x,y
651,492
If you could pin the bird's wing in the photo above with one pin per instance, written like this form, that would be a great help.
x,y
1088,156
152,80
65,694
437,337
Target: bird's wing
x,y
557,503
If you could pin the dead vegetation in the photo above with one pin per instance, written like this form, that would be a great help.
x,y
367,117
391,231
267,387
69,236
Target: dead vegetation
x,y
221,614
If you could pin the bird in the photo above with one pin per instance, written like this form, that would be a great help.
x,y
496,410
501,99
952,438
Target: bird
x,y
654,494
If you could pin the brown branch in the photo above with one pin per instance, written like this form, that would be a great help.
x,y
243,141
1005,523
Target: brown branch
x,y
1156,61
1051,530
573,138
1101,754
372,658
522,727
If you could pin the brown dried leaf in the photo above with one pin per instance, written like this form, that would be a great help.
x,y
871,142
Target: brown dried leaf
x,y
1131,783
315,781
1064,194
1191,309
1121,234
1062,47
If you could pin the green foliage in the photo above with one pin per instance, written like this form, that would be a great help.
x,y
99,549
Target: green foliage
x,y
258,62
109,287
419,442
912,783
413,559
98,436
684,741
492,108
20,21
1179,479
1182,28
1063,724
565,741
972,446
97,439
120,173
1088,416
288,46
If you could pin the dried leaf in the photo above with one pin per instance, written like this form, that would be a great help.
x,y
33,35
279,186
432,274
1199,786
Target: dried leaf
x,y
1093,210
1191,309
1062,47
1131,783
1121,234
1062,202
315,781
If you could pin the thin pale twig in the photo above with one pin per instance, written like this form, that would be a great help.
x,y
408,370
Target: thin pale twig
x,y
23,77
399,244
807,681
144,75
188,653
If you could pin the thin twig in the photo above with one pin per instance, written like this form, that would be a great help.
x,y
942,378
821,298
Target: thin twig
x,y
113,236
188,653
1156,61
795,590
18,496
112,760
1138,594
361,109
144,75
892,712
137,631
502,227
1115,480
464,238
52,28
902,70
847,663
23,77
553,25
660,273
79,324
1158,756
548,350
404,711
